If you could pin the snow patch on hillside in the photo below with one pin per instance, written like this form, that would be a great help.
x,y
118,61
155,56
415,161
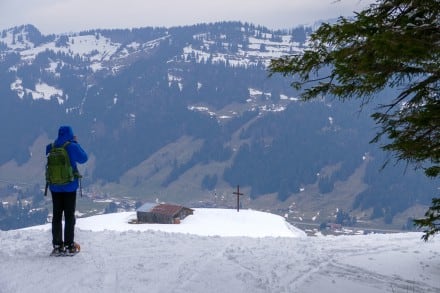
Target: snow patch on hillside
x,y
42,91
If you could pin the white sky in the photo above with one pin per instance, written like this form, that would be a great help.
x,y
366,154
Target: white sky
x,y
63,16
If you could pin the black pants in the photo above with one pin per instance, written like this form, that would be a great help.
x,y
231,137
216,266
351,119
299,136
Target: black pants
x,y
63,202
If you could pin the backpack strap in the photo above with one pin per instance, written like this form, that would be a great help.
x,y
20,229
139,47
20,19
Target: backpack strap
x,y
52,145
76,173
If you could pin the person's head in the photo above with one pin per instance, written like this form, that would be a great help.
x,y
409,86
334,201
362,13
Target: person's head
x,y
65,133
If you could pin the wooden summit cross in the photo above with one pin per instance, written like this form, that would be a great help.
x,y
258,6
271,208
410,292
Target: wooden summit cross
x,y
238,197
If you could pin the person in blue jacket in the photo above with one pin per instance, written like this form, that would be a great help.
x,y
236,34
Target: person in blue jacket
x,y
64,196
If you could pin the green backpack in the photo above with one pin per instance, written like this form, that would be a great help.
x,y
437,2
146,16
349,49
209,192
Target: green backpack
x,y
58,168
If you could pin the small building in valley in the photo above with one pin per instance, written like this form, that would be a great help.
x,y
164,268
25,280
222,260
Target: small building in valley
x,y
162,213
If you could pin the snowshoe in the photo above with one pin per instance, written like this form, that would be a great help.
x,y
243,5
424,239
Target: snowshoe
x,y
72,249
58,250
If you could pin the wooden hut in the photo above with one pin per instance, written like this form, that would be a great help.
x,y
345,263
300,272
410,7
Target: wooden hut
x,y
162,213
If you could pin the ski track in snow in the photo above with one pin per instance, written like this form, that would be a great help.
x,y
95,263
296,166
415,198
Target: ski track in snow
x,y
155,261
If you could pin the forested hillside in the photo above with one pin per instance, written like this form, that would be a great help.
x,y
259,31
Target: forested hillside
x,y
185,114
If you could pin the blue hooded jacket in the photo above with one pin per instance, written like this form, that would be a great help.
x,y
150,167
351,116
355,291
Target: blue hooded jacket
x,y
76,155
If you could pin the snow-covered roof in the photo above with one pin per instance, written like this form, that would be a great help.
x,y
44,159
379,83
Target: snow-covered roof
x,y
146,207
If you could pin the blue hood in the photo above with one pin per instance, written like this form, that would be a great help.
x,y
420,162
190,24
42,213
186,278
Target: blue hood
x,y
65,133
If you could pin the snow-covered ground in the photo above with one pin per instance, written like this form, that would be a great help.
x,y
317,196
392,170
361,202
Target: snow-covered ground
x,y
216,251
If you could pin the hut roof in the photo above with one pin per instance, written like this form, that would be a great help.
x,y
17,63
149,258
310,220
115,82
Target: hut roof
x,y
167,209
163,209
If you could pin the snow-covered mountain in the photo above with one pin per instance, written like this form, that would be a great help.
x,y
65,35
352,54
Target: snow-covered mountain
x,y
110,52
185,114
216,250
251,45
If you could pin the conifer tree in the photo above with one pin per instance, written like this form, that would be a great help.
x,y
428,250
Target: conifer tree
x,y
391,44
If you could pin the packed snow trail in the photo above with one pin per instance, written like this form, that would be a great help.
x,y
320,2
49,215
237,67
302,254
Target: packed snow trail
x,y
157,261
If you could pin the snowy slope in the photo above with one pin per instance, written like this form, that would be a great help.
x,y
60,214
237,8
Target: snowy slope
x,y
121,257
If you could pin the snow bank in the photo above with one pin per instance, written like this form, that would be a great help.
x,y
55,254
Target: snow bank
x,y
120,257
204,222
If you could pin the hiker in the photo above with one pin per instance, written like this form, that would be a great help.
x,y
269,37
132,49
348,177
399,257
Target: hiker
x,y
64,191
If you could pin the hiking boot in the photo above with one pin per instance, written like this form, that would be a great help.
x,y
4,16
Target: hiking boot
x,y
58,250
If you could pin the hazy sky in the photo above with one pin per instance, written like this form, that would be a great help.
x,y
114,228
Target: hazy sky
x,y
63,16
